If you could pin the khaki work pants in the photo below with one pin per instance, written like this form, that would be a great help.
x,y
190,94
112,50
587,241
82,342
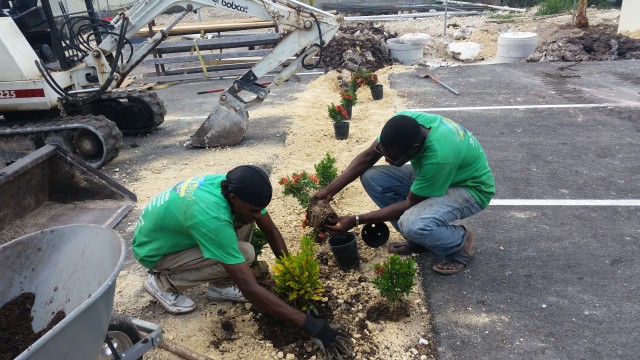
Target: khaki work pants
x,y
185,269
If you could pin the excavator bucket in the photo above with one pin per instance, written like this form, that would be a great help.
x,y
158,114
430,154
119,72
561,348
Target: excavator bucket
x,y
225,126
52,187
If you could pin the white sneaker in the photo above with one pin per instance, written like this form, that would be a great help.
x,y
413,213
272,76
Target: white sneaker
x,y
174,302
231,293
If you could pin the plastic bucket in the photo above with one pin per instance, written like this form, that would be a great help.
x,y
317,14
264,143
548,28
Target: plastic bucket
x,y
516,46
345,250
407,54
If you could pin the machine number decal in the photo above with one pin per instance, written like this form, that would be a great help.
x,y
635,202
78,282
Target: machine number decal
x,y
24,93
7,94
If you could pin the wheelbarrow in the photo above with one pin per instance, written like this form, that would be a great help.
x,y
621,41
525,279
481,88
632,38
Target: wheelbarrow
x,y
73,269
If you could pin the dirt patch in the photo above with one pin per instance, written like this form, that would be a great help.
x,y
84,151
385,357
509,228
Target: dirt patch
x,y
597,43
16,331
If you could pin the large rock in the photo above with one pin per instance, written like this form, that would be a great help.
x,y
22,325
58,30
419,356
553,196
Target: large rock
x,y
465,51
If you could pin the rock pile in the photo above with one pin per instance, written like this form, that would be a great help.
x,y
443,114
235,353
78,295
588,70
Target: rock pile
x,y
596,44
358,46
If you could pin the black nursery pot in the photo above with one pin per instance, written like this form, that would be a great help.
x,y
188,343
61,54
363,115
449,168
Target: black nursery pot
x,y
376,91
341,130
375,235
345,250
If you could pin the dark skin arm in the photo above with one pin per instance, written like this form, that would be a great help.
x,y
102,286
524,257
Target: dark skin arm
x,y
391,212
243,277
273,235
361,163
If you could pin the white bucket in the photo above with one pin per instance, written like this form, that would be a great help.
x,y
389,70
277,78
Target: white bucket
x,y
407,54
516,46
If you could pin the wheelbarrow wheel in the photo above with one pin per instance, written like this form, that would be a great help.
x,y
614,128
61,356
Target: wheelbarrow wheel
x,y
123,334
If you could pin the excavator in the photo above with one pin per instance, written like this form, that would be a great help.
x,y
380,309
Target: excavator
x,y
61,74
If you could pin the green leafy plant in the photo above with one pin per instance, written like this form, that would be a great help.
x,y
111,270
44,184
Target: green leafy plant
x,y
550,7
395,277
337,113
348,98
326,170
297,277
258,240
301,186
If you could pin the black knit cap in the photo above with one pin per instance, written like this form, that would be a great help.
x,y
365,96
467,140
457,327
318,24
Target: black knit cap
x,y
400,132
251,184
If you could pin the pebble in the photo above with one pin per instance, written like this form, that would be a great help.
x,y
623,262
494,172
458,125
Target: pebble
x,y
290,357
248,306
423,357
325,299
370,326
280,355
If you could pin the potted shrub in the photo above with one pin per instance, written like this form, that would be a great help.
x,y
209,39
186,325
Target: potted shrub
x,y
348,99
338,114
368,78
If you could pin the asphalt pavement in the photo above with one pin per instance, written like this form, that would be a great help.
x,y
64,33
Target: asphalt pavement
x,y
556,271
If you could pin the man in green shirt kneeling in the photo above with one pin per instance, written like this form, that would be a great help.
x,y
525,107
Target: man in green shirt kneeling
x,y
198,232
437,173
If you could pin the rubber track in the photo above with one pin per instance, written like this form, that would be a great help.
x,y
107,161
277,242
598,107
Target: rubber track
x,y
32,132
148,97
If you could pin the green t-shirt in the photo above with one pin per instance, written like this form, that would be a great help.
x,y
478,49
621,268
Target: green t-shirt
x,y
450,157
189,214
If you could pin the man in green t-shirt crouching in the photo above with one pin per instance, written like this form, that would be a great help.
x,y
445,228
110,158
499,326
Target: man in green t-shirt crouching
x,y
198,232
448,179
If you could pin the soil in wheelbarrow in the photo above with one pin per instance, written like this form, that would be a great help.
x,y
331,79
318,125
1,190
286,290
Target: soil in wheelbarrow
x,y
16,330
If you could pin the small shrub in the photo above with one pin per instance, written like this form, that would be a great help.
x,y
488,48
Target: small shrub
x,y
258,240
326,170
337,113
348,98
395,277
301,186
296,277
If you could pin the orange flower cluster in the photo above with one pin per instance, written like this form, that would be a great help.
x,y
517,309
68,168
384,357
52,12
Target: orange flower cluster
x,y
337,113
300,185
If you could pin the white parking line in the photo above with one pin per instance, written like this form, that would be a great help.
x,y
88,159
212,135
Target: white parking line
x,y
565,202
512,107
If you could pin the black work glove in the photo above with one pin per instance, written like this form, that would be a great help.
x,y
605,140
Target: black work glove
x,y
333,343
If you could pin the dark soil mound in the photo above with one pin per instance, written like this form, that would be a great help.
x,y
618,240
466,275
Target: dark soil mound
x,y
16,332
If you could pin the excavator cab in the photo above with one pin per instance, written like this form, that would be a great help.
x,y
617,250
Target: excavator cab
x,y
62,88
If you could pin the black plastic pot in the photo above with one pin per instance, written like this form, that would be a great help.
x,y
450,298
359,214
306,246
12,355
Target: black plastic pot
x,y
376,91
341,129
375,235
345,250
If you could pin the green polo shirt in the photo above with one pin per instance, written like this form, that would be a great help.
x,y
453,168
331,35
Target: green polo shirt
x,y
451,157
189,214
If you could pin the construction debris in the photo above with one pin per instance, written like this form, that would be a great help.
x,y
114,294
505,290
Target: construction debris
x,y
358,46
596,44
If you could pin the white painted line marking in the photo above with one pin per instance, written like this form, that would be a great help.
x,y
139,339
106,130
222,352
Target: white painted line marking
x,y
515,107
565,202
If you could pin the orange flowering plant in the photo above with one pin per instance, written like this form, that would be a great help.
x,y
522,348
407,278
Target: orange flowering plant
x,y
337,113
301,186
348,98
362,78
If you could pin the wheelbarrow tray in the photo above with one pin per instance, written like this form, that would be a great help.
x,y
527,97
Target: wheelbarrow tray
x,y
52,187
71,268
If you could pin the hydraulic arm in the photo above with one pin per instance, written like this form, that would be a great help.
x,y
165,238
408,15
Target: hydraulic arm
x,y
227,123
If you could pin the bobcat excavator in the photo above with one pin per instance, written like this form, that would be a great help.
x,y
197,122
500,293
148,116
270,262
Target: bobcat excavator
x,y
60,74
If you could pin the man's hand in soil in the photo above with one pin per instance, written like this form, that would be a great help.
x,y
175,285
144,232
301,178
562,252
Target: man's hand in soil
x,y
323,194
341,224
334,344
